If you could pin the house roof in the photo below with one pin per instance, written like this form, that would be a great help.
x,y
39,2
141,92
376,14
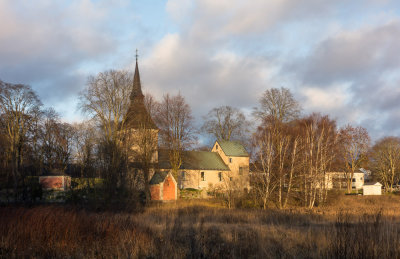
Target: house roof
x,y
232,148
158,177
194,160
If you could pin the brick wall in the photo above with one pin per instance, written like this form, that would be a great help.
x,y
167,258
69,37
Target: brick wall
x,y
169,189
155,192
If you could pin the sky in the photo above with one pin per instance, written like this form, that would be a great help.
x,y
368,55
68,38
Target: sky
x,y
339,58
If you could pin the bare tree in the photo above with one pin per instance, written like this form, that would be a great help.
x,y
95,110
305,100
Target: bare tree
x,y
17,103
4,155
107,99
151,104
262,176
278,104
36,132
319,141
354,145
84,141
225,123
177,133
277,145
231,188
56,142
386,161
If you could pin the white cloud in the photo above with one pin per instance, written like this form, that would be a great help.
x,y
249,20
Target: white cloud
x,y
324,99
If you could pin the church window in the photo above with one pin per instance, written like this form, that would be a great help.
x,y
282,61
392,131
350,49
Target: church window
x,y
202,176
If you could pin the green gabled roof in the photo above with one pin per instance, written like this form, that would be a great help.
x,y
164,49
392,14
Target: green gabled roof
x,y
194,160
232,148
158,177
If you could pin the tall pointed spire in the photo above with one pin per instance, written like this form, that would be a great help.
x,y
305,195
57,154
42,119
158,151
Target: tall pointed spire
x,y
138,115
137,87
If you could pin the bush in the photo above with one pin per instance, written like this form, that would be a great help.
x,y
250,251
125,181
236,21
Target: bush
x,y
190,193
34,188
82,183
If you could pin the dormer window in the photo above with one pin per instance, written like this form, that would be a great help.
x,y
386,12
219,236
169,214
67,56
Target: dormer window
x,y
230,160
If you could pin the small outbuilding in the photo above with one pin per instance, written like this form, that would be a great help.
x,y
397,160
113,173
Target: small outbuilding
x,y
163,187
372,189
55,182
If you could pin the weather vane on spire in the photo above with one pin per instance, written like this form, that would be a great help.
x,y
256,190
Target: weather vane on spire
x,y
137,55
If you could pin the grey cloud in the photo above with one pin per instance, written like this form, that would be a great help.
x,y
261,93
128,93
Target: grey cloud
x,y
351,55
206,76
44,44
364,60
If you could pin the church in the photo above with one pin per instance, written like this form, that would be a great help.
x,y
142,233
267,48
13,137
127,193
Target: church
x,y
225,166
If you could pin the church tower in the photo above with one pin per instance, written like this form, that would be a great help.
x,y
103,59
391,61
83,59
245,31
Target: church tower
x,y
142,129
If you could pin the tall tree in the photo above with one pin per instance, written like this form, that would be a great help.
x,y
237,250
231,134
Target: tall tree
x,y
386,161
107,98
84,142
276,143
278,103
151,104
319,142
277,156
36,132
225,123
354,144
4,161
56,142
177,133
17,104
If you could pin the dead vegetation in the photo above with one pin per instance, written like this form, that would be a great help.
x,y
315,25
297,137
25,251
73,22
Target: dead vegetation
x,y
353,227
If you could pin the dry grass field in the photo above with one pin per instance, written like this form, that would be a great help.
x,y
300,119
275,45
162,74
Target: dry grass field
x,y
348,227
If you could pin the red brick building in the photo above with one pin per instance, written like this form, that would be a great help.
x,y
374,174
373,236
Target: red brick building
x,y
55,182
163,187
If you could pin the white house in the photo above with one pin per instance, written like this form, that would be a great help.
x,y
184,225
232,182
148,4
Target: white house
x,y
372,189
337,180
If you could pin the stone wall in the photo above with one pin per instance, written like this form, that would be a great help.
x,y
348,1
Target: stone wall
x,y
239,166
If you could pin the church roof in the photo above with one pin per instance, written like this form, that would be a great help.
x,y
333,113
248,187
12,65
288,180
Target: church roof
x,y
232,148
194,160
137,87
137,115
